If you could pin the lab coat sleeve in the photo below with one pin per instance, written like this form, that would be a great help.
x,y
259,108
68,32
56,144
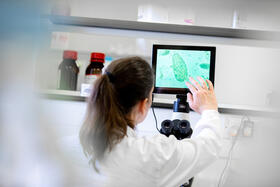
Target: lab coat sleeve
x,y
182,159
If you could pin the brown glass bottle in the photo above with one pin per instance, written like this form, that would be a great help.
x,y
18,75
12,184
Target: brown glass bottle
x,y
68,70
94,69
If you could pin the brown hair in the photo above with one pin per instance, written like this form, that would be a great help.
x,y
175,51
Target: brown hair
x,y
127,81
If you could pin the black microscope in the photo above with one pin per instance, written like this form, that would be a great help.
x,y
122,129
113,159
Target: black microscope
x,y
179,126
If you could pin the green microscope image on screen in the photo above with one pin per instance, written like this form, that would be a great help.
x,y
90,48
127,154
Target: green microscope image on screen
x,y
174,67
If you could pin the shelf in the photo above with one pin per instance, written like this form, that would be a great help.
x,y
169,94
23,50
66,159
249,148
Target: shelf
x,y
249,110
62,95
167,102
166,28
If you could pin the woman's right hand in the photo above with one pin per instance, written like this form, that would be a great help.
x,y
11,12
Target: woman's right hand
x,y
201,97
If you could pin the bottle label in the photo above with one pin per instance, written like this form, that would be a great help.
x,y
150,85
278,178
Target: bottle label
x,y
90,79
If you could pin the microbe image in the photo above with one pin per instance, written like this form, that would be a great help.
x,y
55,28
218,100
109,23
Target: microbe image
x,y
204,66
174,67
179,68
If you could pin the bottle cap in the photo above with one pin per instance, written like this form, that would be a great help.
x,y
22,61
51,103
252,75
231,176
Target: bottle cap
x,y
97,57
67,54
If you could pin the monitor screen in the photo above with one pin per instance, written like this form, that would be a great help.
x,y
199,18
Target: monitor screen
x,y
173,65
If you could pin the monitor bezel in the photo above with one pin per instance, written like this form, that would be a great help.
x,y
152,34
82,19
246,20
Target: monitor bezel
x,y
166,90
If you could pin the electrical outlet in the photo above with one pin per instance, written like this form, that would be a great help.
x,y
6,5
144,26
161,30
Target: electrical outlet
x,y
233,129
231,126
247,128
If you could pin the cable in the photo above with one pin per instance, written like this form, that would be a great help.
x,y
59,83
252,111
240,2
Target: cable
x,y
155,118
230,151
154,114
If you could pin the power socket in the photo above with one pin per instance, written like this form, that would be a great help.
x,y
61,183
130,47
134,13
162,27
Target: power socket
x,y
231,126
247,128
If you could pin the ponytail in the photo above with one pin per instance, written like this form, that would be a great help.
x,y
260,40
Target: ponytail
x,y
105,121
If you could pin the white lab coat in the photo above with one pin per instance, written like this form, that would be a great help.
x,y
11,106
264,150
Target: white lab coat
x,y
161,161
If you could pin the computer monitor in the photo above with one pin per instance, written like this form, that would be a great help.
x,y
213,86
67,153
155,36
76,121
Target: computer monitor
x,y
174,64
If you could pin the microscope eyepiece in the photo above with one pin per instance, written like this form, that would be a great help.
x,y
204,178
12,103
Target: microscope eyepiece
x,y
166,127
184,124
179,128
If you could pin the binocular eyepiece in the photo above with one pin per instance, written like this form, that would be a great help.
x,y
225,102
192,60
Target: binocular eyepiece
x,y
179,128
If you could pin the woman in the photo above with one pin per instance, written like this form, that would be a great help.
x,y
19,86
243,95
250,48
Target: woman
x,y
120,100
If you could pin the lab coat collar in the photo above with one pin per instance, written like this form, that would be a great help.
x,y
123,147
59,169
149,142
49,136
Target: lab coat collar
x,y
131,132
